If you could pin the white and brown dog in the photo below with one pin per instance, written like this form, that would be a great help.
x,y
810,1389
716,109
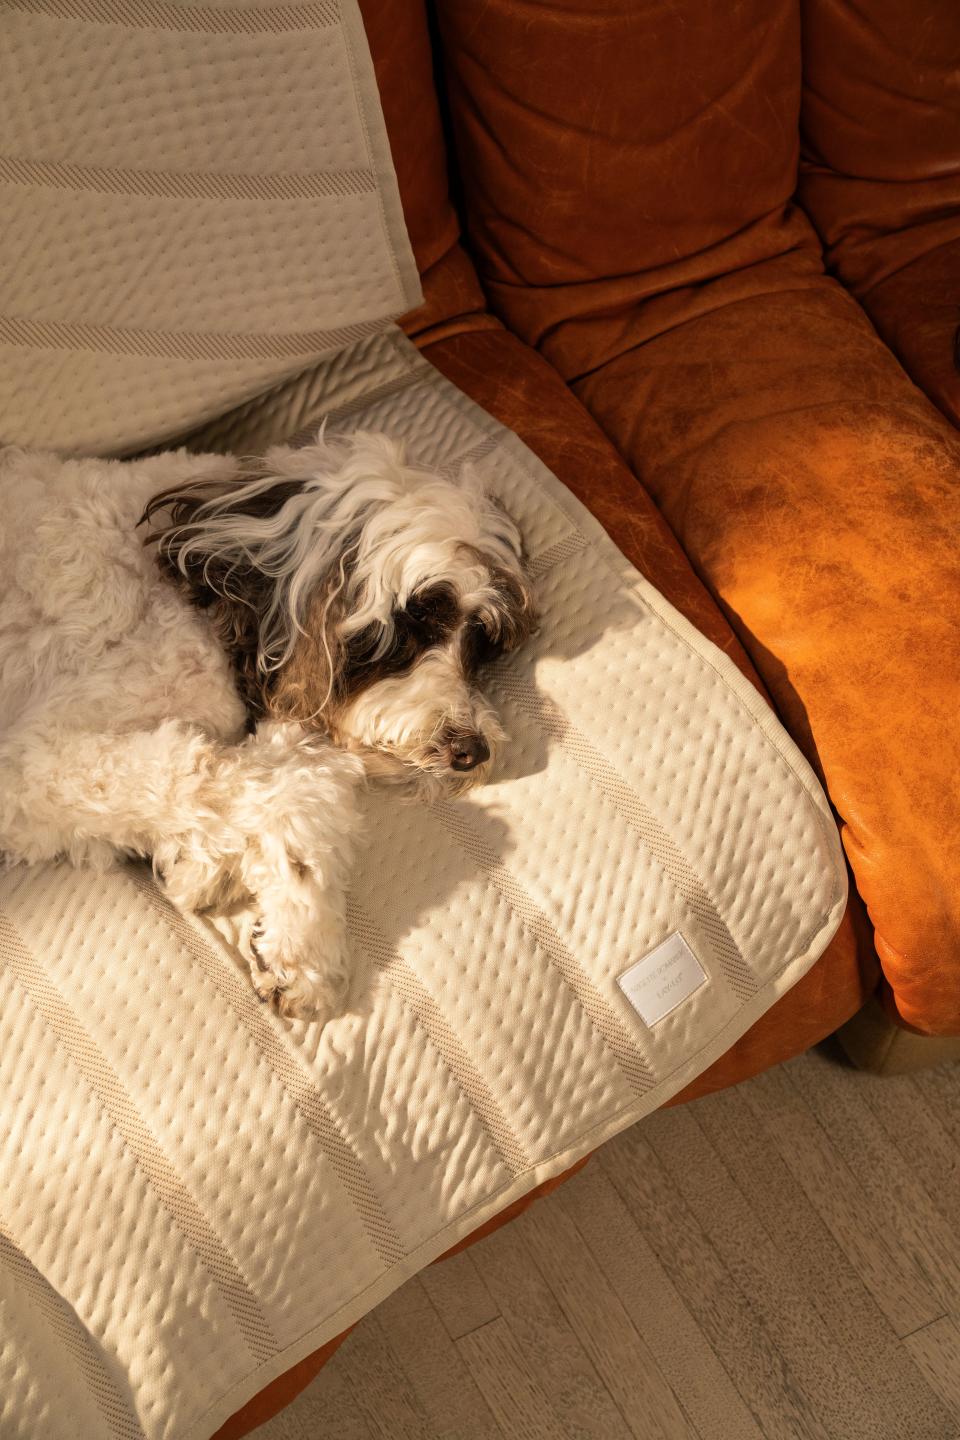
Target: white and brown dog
x,y
214,698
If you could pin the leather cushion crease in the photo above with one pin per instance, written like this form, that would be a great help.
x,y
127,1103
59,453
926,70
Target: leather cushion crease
x,y
916,310
811,485
603,209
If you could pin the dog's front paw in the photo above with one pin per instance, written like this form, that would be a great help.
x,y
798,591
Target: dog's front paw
x,y
309,985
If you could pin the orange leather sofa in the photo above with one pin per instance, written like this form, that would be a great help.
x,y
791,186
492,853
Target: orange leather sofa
x,y
641,228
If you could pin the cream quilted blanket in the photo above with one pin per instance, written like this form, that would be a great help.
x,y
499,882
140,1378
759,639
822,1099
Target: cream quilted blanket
x,y
196,199
194,1194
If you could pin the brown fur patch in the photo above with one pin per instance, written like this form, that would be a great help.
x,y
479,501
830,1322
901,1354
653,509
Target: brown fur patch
x,y
236,597
305,688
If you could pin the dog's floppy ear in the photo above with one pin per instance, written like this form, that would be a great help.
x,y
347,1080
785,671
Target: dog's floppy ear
x,y
226,583
305,687
517,616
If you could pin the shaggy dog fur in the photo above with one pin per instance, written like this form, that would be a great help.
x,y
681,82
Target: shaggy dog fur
x,y
202,659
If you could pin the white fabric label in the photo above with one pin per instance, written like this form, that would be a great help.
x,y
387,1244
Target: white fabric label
x,y
663,979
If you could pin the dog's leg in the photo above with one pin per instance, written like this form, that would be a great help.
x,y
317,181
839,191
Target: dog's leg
x,y
298,803
277,813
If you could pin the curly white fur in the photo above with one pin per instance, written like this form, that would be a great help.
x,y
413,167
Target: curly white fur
x,y
121,728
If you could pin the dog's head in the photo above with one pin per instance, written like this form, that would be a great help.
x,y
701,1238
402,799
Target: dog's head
x,y
358,594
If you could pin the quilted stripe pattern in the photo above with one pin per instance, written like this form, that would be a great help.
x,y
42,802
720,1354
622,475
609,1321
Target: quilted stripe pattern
x,y
228,19
195,1194
195,202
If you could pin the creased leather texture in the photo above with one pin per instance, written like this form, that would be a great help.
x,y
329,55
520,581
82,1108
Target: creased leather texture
x,y
194,202
814,489
626,167
881,170
917,311
240,1189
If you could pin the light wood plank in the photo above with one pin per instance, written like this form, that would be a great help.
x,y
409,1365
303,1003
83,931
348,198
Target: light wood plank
x,y
940,1088
864,1235
872,1384
549,1346
513,1393
936,1350
831,1395
326,1407
458,1294
619,1354
441,1381
381,1391
714,1296
677,1342
894,1191
918,1133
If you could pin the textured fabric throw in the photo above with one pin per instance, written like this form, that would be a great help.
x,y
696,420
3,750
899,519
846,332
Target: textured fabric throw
x,y
195,201
195,1194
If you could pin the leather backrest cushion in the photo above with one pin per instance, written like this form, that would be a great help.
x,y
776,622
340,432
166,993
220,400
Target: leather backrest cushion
x,y
881,131
611,152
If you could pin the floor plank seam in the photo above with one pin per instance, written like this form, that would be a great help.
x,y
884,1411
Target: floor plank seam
x,y
926,1326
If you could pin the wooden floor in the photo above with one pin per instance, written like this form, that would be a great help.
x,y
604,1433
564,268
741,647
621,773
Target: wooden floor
x,y
780,1260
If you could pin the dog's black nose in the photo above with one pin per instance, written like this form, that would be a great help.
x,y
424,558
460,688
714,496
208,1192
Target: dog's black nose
x,y
467,752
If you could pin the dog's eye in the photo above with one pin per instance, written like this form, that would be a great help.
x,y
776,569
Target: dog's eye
x,y
405,647
429,615
364,656
482,645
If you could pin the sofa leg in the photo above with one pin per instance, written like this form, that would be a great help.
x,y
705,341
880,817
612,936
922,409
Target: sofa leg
x,y
872,1041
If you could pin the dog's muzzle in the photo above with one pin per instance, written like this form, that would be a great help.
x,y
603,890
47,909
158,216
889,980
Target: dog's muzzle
x,y
466,752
